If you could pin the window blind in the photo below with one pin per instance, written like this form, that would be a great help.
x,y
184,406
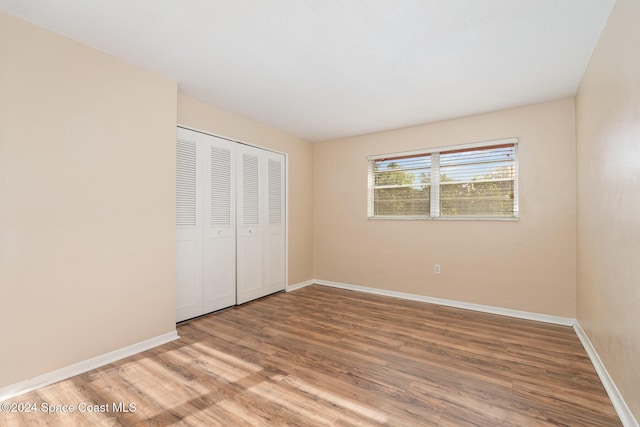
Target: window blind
x,y
402,186
478,182
470,181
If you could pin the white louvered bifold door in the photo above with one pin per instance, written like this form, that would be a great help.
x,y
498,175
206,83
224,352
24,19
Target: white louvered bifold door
x,y
219,279
231,223
189,229
274,259
205,216
249,283
260,229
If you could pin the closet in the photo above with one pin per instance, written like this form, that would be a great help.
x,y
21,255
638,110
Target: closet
x,y
230,218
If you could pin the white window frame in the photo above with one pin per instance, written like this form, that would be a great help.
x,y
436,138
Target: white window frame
x,y
434,213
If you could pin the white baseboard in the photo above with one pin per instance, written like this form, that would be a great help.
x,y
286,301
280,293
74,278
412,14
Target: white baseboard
x,y
626,417
31,384
566,321
300,285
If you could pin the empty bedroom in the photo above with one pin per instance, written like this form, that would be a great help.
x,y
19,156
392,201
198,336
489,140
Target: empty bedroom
x,y
320,213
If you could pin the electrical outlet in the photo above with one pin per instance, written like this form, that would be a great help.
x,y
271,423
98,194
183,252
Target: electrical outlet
x,y
437,269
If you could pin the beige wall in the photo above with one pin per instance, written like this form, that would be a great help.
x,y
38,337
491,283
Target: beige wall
x,y
87,202
608,135
525,265
199,115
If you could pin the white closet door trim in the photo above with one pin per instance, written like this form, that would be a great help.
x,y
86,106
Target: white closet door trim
x,y
239,141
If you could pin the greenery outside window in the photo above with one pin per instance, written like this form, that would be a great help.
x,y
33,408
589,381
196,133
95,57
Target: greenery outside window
x,y
473,181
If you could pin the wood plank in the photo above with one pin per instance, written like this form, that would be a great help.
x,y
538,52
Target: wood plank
x,y
321,356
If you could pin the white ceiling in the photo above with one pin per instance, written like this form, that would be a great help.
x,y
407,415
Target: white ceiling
x,y
323,69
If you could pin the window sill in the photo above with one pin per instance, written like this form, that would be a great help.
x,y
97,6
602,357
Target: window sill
x,y
422,218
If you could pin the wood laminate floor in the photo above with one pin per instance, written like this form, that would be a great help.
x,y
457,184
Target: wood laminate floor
x,y
322,356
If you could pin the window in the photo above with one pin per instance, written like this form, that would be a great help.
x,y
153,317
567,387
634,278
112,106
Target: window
x,y
402,186
474,181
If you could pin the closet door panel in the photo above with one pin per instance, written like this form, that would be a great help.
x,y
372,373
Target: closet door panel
x,y
219,280
219,290
249,231
274,259
275,245
261,224
189,272
189,231
250,283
